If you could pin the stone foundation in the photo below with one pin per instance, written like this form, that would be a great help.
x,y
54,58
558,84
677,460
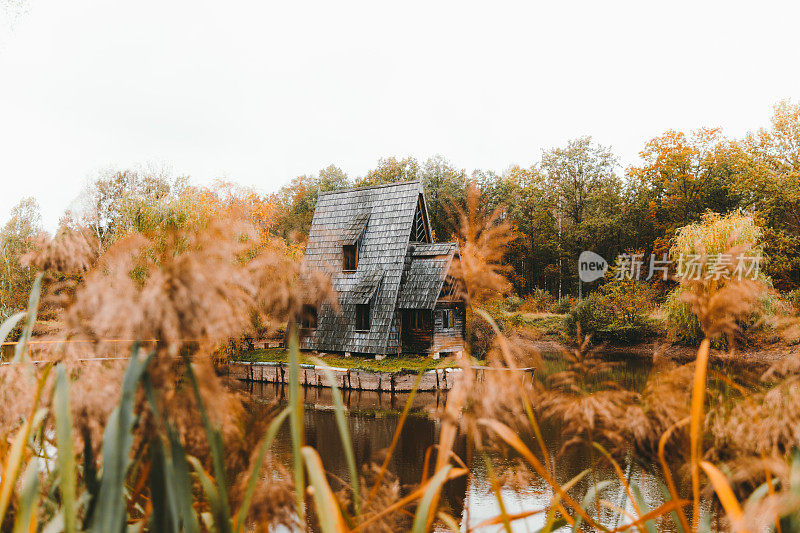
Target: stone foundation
x,y
311,376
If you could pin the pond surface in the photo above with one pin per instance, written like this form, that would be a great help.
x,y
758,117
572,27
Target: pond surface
x,y
373,418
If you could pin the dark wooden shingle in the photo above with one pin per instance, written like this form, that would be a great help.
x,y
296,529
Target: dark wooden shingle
x,y
379,219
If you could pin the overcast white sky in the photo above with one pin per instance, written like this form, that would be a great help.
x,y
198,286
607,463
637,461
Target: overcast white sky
x,y
260,93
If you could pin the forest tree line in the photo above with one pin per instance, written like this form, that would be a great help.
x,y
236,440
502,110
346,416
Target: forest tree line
x,y
574,198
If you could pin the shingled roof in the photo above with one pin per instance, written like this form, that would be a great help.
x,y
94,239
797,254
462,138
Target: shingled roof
x,y
380,218
428,266
379,221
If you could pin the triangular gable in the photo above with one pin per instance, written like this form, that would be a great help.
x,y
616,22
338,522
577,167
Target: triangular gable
x,y
421,228
425,275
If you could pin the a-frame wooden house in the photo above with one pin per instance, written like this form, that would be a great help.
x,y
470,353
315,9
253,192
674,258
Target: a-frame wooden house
x,y
396,288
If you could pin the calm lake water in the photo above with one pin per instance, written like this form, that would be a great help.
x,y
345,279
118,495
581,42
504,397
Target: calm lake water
x,y
373,418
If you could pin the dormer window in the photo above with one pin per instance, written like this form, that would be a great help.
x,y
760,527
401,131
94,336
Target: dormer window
x,y
349,257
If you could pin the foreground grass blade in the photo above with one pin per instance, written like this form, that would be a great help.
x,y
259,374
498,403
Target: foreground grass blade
x,y
9,324
449,521
16,455
680,515
33,308
296,421
725,494
498,493
623,479
266,442
554,525
330,519
215,444
182,484
505,433
172,480
668,507
424,508
66,453
498,520
163,516
589,498
406,500
695,424
344,433
210,488
109,514
28,501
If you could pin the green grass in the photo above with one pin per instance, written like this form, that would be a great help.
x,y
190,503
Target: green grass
x,y
402,364
549,324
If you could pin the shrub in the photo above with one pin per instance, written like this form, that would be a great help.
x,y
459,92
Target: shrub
x,y
563,305
538,301
618,312
513,303
480,336
712,236
682,324
793,299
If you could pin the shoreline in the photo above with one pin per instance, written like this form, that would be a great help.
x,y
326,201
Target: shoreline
x,y
662,350
441,379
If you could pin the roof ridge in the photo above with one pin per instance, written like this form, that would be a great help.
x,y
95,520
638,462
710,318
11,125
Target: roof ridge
x,y
395,184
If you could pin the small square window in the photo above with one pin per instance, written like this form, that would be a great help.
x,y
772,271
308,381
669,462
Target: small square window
x,y
349,257
362,317
447,318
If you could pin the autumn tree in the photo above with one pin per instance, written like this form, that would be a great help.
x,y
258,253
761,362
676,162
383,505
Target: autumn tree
x,y
16,239
682,176
585,189
531,206
445,186
391,170
767,177
120,200
295,202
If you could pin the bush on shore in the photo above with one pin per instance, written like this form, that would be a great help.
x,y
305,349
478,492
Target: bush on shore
x,y
706,243
619,312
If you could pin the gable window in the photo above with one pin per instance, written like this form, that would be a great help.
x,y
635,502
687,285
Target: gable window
x,y
308,317
349,257
419,229
362,317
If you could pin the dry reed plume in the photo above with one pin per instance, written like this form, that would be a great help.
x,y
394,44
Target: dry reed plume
x,y
191,291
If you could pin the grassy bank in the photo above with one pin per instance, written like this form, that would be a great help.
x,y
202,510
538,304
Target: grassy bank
x,y
404,364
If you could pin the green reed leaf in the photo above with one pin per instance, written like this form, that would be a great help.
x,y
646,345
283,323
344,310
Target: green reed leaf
x,y
330,519
219,512
66,453
423,510
217,448
266,442
33,307
27,506
109,514
296,420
